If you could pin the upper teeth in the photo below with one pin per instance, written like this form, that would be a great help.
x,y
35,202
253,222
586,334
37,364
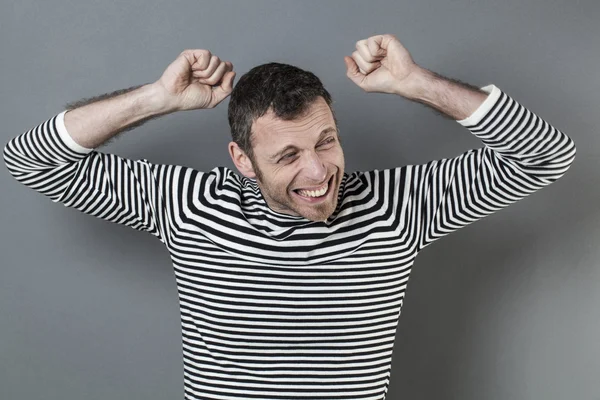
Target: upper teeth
x,y
314,193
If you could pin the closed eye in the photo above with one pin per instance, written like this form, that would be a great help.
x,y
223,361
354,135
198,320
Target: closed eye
x,y
287,156
328,141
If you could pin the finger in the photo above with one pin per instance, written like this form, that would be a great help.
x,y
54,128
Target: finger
x,y
198,58
216,77
209,70
365,52
227,82
375,45
225,89
352,71
364,66
228,68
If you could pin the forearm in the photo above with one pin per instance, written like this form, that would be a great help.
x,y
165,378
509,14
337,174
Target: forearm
x,y
455,99
100,119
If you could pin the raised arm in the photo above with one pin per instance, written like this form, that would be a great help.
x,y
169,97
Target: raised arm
x,y
382,64
57,158
522,153
195,80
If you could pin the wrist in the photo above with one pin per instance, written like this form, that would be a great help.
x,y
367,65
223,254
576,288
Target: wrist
x,y
158,99
451,97
418,85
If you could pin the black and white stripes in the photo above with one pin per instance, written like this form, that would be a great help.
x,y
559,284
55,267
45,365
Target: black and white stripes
x,y
275,306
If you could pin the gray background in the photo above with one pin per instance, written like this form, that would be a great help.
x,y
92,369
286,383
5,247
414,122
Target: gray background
x,y
507,308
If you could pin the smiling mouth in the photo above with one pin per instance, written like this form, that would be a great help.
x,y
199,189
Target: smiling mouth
x,y
323,191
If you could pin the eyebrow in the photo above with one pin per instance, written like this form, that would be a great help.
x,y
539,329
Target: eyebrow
x,y
291,146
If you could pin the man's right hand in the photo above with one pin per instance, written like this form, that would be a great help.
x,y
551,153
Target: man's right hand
x,y
195,80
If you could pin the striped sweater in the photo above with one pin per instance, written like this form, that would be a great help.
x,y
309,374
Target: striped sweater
x,y
275,306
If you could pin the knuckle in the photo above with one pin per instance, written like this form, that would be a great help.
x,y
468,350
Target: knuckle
x,y
212,80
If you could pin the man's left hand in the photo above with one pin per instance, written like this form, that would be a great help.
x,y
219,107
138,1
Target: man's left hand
x,y
382,64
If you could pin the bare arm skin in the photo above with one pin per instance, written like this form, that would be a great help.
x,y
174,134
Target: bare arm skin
x,y
93,124
195,80
454,99
382,64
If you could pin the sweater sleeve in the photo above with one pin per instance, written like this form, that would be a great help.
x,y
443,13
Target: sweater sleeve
x,y
128,192
521,154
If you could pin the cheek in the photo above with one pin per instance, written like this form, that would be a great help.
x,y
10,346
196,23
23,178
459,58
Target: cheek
x,y
337,158
282,180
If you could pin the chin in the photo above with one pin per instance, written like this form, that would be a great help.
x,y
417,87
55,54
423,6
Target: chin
x,y
318,216
321,210
316,219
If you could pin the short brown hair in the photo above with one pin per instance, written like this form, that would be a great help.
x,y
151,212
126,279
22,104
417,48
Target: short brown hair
x,y
284,88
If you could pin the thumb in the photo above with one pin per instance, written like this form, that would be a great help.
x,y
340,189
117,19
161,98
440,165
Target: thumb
x,y
226,87
352,71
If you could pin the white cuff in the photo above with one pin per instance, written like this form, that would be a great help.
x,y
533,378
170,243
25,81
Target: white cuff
x,y
64,135
482,110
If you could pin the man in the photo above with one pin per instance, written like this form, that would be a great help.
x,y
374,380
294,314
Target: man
x,y
291,277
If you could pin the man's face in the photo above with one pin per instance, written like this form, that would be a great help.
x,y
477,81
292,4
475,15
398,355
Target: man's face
x,y
299,164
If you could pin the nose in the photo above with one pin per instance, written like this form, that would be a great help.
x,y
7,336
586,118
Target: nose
x,y
314,167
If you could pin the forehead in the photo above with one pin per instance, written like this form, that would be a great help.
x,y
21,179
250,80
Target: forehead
x,y
270,133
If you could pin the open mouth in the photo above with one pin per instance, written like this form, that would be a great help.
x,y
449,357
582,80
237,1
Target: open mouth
x,y
316,195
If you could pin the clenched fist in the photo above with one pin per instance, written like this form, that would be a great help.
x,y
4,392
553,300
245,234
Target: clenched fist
x,y
382,64
196,79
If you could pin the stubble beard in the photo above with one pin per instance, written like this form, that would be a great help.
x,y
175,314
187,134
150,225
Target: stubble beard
x,y
284,202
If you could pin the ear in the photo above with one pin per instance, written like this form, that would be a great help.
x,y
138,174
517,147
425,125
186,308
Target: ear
x,y
241,161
